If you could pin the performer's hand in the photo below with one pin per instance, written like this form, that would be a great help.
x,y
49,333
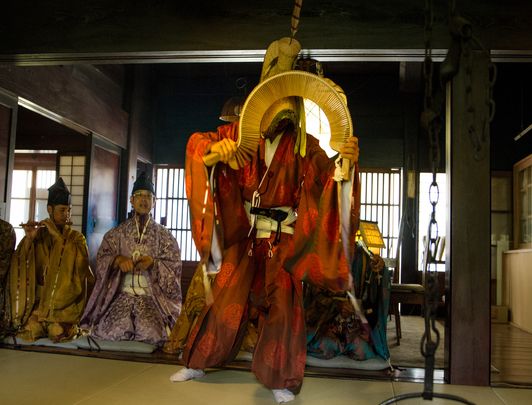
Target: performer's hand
x,y
30,229
125,264
226,149
52,229
144,263
350,149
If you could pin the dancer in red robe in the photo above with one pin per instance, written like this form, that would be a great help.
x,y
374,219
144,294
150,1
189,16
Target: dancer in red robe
x,y
263,229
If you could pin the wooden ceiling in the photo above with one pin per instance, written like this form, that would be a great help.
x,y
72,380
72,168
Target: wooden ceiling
x,y
76,26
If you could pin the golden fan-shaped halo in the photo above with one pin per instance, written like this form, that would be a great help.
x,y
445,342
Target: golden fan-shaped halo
x,y
288,84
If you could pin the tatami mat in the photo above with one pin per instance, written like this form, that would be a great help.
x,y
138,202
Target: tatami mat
x,y
42,378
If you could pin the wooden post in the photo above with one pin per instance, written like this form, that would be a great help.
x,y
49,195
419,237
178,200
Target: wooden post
x,y
8,125
467,335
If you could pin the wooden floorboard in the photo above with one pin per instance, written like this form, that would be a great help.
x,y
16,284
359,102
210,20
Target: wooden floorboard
x,y
511,356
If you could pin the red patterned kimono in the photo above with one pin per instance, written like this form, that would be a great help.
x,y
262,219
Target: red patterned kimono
x,y
259,279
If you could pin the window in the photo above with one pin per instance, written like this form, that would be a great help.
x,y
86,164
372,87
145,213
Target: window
x,y
72,170
424,213
32,175
172,209
380,201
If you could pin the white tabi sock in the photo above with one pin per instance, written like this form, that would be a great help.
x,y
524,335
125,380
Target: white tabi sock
x,y
186,374
283,395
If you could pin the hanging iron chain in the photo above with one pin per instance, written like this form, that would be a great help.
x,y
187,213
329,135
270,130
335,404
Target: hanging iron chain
x,y
431,121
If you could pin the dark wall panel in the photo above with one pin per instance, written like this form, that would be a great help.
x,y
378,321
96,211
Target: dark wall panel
x,y
103,197
79,93
513,113
35,131
189,99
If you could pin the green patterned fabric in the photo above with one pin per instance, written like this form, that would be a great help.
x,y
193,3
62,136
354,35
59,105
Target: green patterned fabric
x,y
335,328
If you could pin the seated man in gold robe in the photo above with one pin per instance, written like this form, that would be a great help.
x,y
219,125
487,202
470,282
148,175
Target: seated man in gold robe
x,y
49,277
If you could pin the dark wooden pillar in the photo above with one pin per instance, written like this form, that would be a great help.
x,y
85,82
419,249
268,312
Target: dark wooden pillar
x,y
8,124
410,85
138,154
467,334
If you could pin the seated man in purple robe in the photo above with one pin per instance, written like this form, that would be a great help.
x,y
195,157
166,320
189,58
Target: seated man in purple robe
x,y
137,296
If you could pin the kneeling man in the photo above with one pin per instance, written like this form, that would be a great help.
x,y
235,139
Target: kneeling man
x,y
138,277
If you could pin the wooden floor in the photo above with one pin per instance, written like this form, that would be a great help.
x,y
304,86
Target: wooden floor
x,y
511,356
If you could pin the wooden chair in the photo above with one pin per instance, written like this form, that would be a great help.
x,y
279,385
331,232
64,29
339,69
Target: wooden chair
x,y
413,294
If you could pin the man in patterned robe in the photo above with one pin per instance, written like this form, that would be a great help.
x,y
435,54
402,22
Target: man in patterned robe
x,y
138,277
50,277
261,255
